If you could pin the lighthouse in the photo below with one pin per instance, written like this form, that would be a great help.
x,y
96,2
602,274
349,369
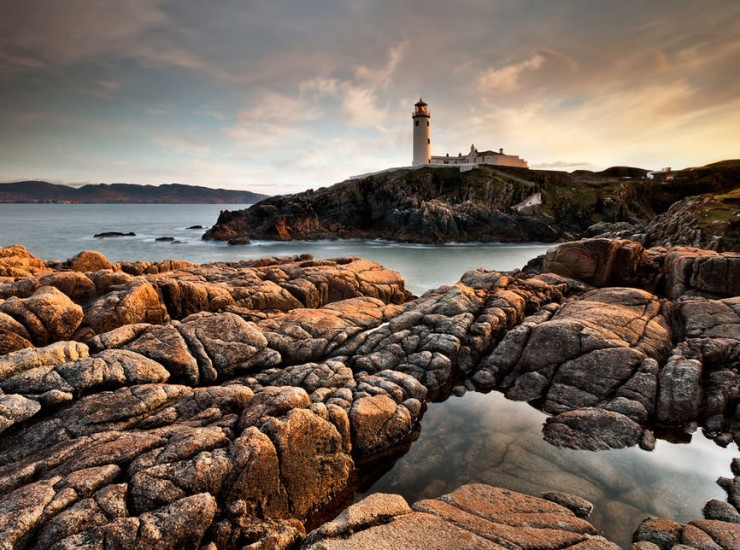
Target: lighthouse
x,y
422,134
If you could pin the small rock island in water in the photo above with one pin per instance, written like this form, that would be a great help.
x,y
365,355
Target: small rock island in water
x,y
231,405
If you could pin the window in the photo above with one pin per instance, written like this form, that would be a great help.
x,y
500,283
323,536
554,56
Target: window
x,y
427,123
429,141
416,123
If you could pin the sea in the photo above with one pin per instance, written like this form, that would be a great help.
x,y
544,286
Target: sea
x,y
475,437
59,231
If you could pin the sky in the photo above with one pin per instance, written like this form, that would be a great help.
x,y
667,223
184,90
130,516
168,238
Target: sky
x,y
280,96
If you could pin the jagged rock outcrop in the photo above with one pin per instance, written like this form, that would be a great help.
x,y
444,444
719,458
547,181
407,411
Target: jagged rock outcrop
x,y
422,205
707,221
224,405
500,204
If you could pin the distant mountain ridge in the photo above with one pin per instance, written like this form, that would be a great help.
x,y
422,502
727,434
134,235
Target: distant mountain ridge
x,y
45,192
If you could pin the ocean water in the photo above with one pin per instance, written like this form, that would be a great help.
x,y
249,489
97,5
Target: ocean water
x,y
476,438
59,231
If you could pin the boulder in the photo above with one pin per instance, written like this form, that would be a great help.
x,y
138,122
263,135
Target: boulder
x,y
599,262
135,302
313,464
593,429
377,422
47,316
693,270
679,391
77,286
88,260
16,408
16,261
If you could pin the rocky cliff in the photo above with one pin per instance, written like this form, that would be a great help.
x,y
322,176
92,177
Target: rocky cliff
x,y
487,204
173,405
707,221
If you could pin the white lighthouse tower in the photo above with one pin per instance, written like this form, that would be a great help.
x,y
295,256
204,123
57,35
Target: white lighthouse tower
x,y
422,134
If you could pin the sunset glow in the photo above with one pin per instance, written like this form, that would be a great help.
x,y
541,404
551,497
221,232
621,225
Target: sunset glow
x,y
283,96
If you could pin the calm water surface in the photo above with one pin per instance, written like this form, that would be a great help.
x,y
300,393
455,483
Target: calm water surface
x,y
485,438
476,438
59,231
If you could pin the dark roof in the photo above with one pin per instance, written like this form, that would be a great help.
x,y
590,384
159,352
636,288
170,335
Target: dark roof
x,y
420,103
487,153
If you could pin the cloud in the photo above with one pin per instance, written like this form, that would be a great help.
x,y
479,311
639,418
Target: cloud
x,y
181,145
382,77
506,79
564,165
50,33
255,86
274,120
359,97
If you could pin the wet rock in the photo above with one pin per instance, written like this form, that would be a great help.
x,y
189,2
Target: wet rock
x,y
721,511
111,234
732,486
679,391
707,532
579,506
242,240
593,429
320,358
664,533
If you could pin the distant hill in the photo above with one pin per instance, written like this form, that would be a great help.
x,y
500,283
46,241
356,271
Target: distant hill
x,y
44,192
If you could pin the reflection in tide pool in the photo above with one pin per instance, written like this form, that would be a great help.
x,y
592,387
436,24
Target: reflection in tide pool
x,y
485,438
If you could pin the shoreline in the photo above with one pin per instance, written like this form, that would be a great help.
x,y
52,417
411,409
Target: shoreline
x,y
308,365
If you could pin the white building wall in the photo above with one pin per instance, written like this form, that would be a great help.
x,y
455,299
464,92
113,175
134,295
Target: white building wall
x,y
422,140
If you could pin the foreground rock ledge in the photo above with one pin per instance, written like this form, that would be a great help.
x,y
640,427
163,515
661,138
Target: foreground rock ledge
x,y
172,405
473,516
